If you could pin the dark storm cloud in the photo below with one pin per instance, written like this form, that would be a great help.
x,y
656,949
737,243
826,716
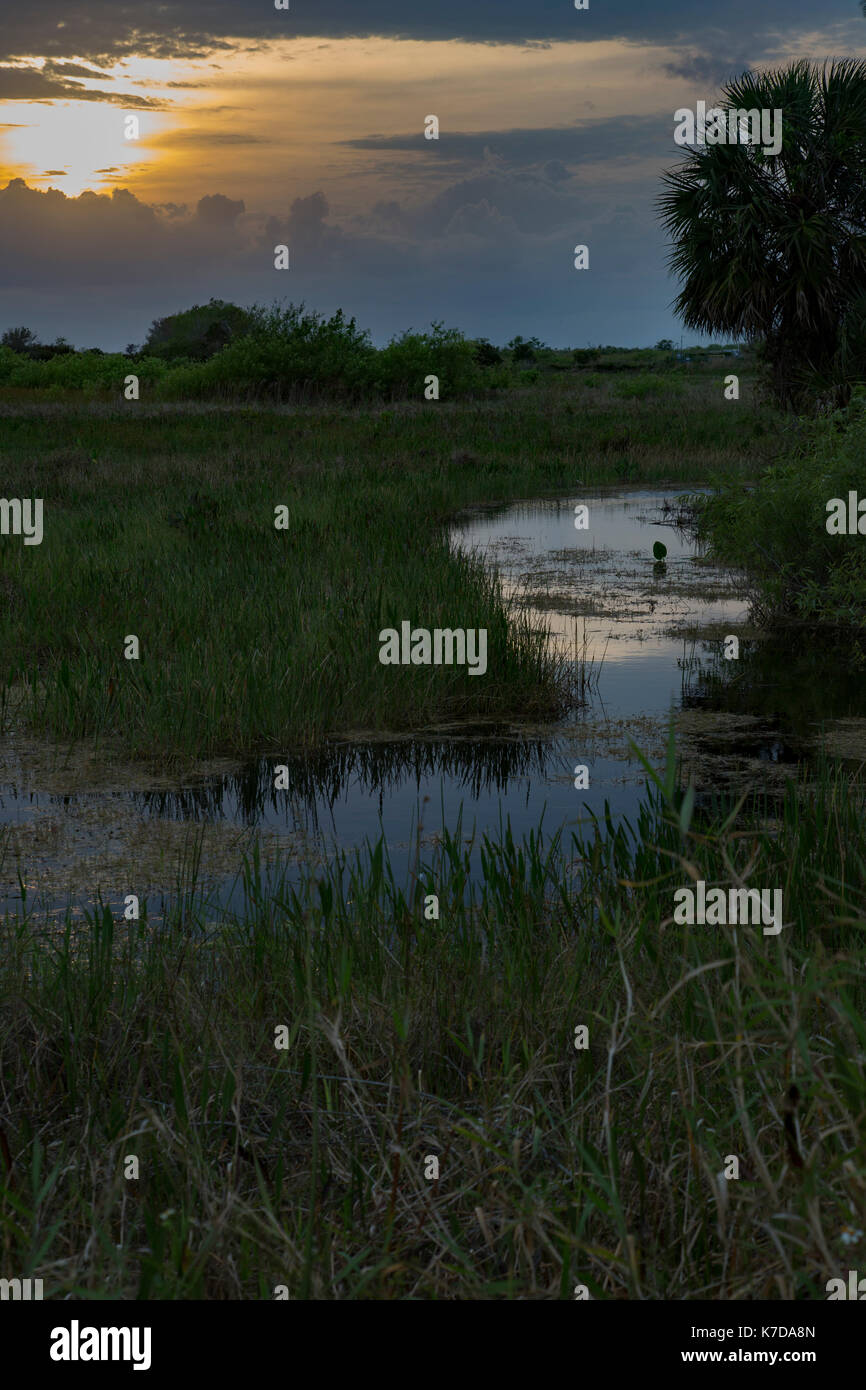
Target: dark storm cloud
x,y
104,30
43,236
52,242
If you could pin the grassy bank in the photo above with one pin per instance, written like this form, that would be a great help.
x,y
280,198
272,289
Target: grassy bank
x,y
159,522
803,573
305,1167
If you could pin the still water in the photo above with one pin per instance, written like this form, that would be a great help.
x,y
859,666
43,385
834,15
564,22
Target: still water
x,y
649,638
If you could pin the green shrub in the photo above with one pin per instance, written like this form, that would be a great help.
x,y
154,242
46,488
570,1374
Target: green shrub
x,y
401,369
88,372
778,530
286,350
486,355
9,360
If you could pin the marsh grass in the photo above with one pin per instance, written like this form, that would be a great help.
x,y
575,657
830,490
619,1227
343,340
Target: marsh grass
x,y
586,667
453,1038
802,574
161,524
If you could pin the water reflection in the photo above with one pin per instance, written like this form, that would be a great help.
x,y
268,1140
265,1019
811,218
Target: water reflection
x,y
651,635
482,764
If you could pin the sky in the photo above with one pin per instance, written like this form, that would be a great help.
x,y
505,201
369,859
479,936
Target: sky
x,y
305,127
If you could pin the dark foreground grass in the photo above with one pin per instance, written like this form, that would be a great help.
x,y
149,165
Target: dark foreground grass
x,y
160,523
410,1038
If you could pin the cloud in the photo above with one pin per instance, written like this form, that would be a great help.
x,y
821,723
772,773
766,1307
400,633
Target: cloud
x,y
707,69
484,225
55,245
174,209
66,69
218,211
591,142
50,242
555,171
50,83
104,30
481,219
527,202
305,231
202,136
308,216
497,225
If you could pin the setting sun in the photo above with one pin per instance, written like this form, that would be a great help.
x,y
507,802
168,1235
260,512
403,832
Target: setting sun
x,y
76,145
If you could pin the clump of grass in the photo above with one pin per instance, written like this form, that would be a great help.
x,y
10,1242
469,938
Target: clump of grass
x,y
452,1038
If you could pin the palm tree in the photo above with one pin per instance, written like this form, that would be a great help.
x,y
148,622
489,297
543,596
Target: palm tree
x,y
772,247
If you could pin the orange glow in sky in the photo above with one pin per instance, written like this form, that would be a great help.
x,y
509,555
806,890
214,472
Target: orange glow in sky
x,y
269,119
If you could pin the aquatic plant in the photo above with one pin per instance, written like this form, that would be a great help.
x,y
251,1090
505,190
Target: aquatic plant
x,y
284,1073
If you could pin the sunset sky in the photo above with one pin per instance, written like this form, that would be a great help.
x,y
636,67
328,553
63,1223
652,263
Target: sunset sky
x,y
305,126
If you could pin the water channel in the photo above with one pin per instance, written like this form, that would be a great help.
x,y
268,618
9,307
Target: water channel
x,y
648,636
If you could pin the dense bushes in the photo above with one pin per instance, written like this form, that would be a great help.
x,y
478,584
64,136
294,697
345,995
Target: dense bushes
x,y
778,530
278,353
402,367
285,351
274,353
